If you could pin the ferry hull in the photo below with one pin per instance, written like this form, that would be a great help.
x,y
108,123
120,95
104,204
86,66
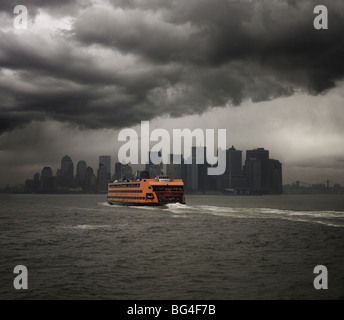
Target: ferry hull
x,y
136,204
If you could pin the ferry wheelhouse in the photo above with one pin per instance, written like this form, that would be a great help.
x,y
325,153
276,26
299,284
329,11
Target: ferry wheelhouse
x,y
148,192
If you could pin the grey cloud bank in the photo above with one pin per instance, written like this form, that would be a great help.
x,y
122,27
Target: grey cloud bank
x,y
179,57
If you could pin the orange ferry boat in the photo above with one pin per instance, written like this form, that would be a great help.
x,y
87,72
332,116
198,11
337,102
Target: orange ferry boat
x,y
148,192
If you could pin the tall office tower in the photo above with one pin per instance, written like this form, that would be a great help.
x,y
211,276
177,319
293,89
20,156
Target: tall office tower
x,y
127,172
80,177
173,169
191,173
202,168
106,162
47,180
275,176
123,172
192,170
102,178
233,177
253,171
257,170
118,171
66,177
90,184
28,186
36,183
154,169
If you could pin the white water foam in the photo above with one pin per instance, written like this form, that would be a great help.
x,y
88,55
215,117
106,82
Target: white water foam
x,y
106,204
328,218
90,226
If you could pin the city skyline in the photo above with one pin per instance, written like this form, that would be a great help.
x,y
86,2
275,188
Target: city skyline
x,y
57,166
69,87
259,174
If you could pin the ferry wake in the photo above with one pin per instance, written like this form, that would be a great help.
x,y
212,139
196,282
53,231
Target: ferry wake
x,y
147,192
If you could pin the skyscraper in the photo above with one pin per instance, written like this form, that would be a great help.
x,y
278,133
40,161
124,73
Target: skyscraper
x,y
233,176
36,183
127,172
106,162
174,170
66,178
67,166
28,186
192,170
253,172
47,180
191,181
90,185
202,176
275,176
80,177
118,171
257,166
123,171
102,178
154,169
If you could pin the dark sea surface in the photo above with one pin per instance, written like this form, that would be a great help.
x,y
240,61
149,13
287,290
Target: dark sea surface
x,y
215,247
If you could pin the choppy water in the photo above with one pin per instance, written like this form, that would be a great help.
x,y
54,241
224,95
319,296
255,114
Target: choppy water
x,y
215,247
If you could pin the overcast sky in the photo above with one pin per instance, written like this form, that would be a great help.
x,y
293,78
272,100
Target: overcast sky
x,y
85,69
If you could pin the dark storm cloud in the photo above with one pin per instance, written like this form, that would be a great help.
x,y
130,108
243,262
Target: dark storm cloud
x,y
181,57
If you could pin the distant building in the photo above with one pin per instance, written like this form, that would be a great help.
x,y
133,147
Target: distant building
x,y
191,175
47,172
257,170
90,183
233,178
195,175
47,180
102,178
36,183
67,167
66,176
202,168
275,177
142,175
28,186
253,172
154,169
264,175
127,172
80,177
118,171
106,162
174,170
123,172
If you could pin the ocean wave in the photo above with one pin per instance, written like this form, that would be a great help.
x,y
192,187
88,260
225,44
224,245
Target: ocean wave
x,y
89,226
325,217
328,218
